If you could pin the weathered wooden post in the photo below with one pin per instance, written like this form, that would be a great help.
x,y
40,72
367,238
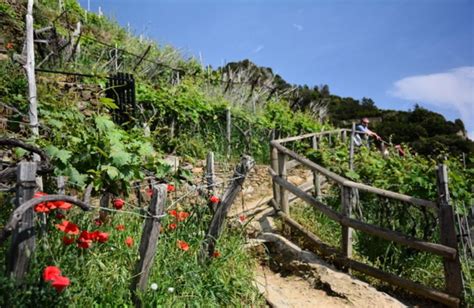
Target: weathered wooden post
x,y
351,148
283,173
150,236
452,268
61,183
346,209
344,136
23,238
274,165
316,177
30,72
228,131
210,178
218,219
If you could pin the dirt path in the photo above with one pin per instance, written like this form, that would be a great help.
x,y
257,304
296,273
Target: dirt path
x,y
293,291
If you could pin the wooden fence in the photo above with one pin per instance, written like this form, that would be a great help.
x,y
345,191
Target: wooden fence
x,y
283,159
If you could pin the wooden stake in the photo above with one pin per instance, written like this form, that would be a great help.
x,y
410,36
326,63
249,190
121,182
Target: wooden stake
x,y
316,177
346,201
150,236
351,148
218,220
452,267
229,131
23,238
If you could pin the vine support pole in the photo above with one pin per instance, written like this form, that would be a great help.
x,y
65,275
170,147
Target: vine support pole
x,y
218,219
351,148
23,238
150,236
30,72
346,201
316,177
274,165
452,267
210,177
228,131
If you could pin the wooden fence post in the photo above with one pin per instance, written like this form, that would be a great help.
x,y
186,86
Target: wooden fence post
x,y
346,209
228,131
150,236
351,148
274,165
283,173
210,178
316,177
23,238
218,219
452,268
344,136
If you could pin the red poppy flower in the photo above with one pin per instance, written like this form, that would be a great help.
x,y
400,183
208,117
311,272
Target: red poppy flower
x,y
51,272
129,241
216,254
149,192
118,203
68,240
182,216
62,205
41,208
9,45
60,283
242,218
85,240
60,216
100,237
173,213
170,188
120,227
214,199
68,227
183,245
98,222
172,226
39,194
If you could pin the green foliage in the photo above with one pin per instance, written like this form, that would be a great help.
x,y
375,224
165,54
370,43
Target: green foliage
x,y
101,275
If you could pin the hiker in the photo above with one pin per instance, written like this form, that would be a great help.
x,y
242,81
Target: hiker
x,y
362,131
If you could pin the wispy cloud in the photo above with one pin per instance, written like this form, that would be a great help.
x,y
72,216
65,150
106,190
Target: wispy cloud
x,y
451,89
298,27
258,49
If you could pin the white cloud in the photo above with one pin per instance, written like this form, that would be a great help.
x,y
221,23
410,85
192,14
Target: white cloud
x,y
451,89
298,27
258,49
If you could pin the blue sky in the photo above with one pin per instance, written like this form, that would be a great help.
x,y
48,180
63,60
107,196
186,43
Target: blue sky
x,y
396,52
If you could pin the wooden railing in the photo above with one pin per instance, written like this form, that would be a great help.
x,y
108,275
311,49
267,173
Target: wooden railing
x,y
283,159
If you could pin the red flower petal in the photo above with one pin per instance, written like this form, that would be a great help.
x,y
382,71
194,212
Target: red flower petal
x,y
120,227
102,237
51,272
62,205
173,213
242,218
68,240
182,216
183,245
149,192
60,283
172,226
170,188
39,194
214,199
68,227
129,241
85,240
216,254
98,222
41,208
118,203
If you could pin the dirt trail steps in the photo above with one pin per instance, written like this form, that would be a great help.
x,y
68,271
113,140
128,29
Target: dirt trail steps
x,y
293,277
